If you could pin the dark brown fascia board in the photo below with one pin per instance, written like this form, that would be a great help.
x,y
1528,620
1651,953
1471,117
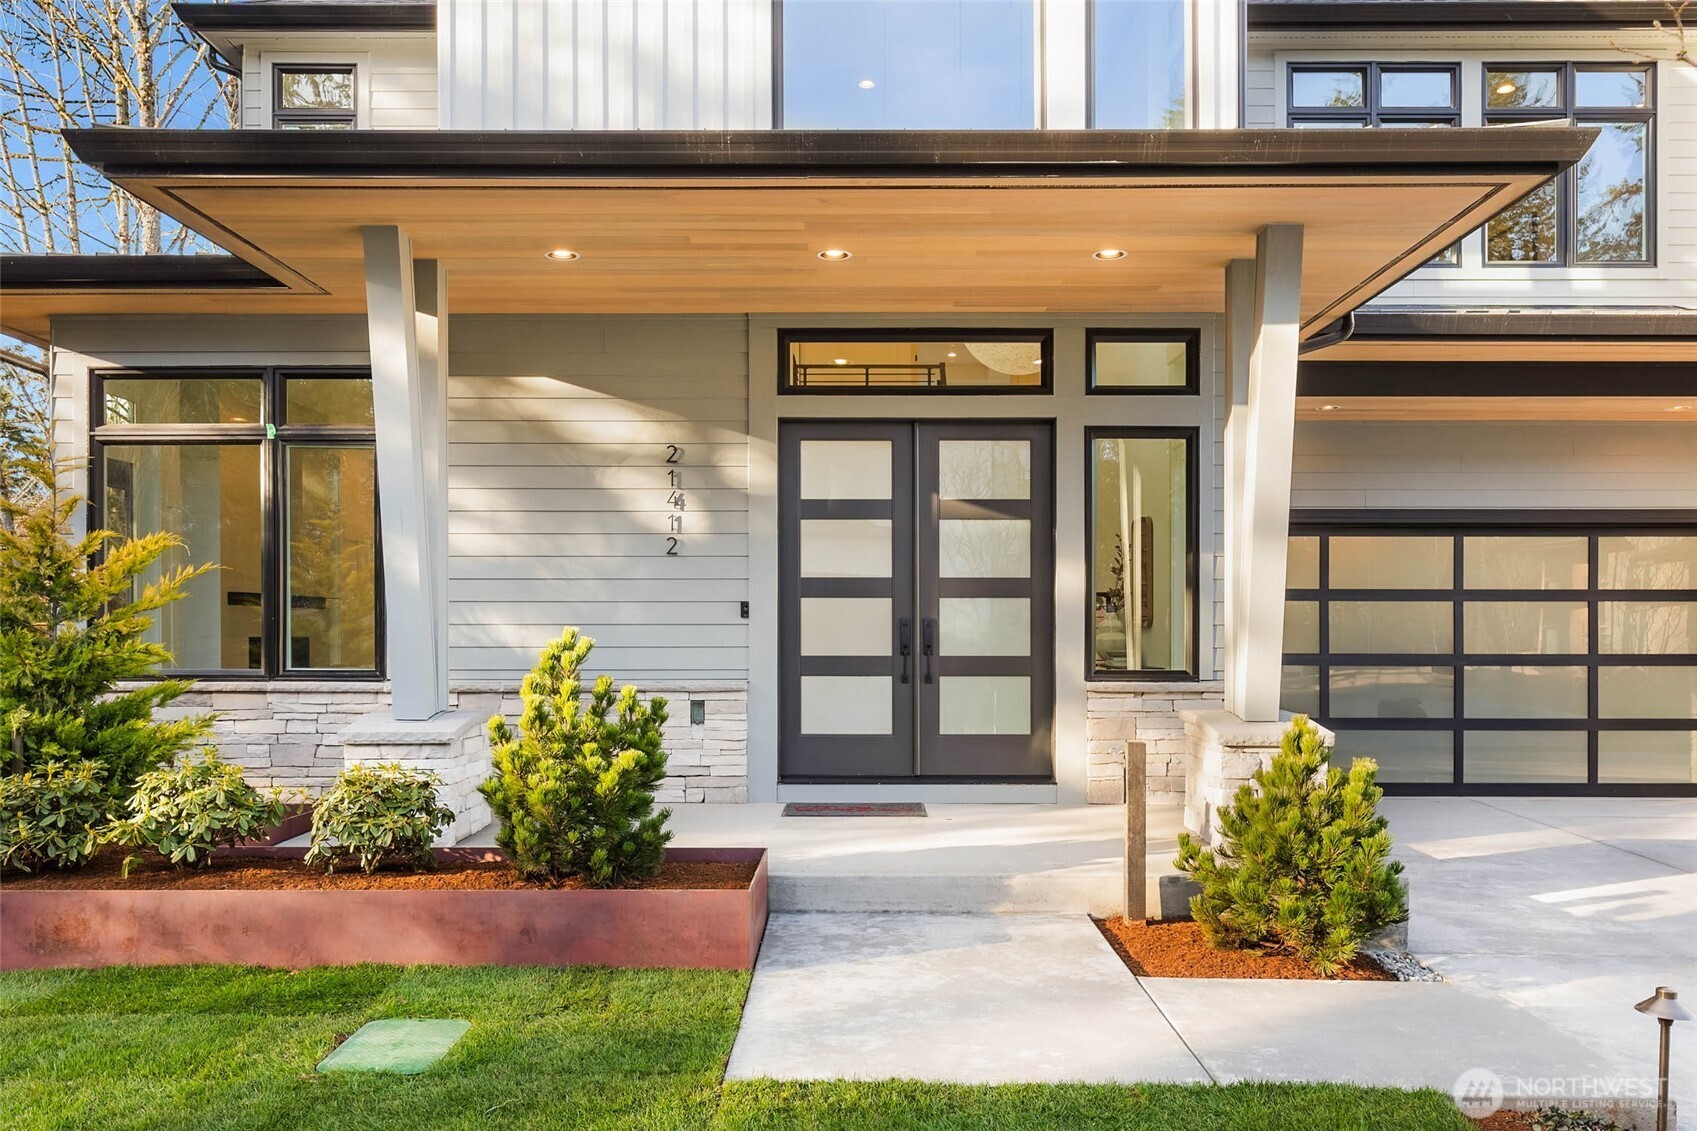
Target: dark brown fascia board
x,y
60,274
1314,14
1630,324
256,16
122,152
1496,379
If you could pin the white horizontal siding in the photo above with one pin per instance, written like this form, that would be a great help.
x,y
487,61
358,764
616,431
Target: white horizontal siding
x,y
558,500
605,64
395,76
1486,466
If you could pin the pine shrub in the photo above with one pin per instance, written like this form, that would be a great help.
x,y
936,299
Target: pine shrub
x,y
385,814
70,631
574,789
52,816
188,811
1305,862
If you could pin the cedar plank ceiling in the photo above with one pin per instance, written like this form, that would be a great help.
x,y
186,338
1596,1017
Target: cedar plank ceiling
x,y
730,223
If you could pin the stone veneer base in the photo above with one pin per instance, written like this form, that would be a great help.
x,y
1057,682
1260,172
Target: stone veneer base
x,y
1224,753
1148,712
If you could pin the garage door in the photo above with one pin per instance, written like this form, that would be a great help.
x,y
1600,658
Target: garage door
x,y
1484,656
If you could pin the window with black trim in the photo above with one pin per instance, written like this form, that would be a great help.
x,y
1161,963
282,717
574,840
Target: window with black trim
x,y
313,97
1364,95
1599,211
915,361
1144,361
269,474
1492,658
1141,541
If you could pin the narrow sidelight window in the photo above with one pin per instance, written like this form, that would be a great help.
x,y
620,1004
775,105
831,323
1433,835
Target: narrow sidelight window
x,y
313,97
1142,553
272,476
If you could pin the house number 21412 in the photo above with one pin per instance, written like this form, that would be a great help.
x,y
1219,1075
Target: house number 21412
x,y
674,499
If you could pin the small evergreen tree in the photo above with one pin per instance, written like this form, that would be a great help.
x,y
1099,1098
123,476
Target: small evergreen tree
x,y
1305,865
574,790
71,630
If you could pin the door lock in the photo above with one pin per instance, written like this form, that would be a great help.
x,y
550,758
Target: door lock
x,y
928,643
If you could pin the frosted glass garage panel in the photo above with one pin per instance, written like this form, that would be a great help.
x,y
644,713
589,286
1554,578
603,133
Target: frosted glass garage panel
x,y
1302,626
1524,756
1647,756
984,469
1653,628
1647,561
1530,692
1647,692
1361,692
984,547
845,626
1525,562
1374,562
845,547
845,469
1299,689
984,704
846,704
984,626
1402,755
1421,628
1302,563
1524,628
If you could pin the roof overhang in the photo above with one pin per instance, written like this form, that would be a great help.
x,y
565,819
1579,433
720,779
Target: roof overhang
x,y
225,25
1527,334
1432,14
714,222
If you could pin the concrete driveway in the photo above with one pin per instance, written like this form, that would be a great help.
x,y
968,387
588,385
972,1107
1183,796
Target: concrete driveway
x,y
1571,908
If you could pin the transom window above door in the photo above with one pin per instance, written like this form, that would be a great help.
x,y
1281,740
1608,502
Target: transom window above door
x,y
926,361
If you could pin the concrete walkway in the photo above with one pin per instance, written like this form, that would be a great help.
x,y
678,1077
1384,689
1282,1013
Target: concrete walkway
x,y
989,999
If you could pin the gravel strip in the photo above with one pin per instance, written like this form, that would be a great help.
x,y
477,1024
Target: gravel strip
x,y
1404,965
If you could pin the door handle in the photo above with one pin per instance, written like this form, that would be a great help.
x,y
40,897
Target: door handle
x,y
905,628
928,643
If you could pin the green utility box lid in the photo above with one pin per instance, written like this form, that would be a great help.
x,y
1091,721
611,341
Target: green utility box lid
x,y
402,1046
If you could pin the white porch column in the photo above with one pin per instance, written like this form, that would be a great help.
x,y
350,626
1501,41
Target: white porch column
x,y
407,360
1259,451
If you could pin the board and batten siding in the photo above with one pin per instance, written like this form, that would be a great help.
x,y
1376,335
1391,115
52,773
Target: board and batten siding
x,y
1452,465
560,503
394,84
605,64
1670,281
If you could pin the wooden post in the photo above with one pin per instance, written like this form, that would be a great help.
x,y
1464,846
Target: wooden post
x,y
1136,831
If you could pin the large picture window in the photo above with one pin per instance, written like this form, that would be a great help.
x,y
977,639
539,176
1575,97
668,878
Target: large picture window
x,y
269,474
1142,552
1597,212
1482,658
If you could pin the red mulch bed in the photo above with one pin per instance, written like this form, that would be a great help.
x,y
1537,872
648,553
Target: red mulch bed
x,y
1176,949
152,872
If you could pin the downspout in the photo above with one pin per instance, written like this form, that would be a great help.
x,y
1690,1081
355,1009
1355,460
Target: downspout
x,y
1336,332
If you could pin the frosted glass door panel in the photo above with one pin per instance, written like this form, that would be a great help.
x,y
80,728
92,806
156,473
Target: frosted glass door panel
x,y
845,626
987,469
985,547
845,547
984,704
845,469
845,704
985,626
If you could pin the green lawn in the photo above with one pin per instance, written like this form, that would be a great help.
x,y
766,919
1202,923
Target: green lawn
x,y
226,1048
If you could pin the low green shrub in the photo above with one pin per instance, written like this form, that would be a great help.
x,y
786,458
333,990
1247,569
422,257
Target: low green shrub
x,y
52,816
574,789
187,811
1305,861
384,814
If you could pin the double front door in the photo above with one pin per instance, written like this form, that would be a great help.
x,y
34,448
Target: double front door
x,y
916,620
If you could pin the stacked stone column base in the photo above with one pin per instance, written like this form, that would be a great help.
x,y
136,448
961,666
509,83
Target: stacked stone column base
x,y
1223,753
453,745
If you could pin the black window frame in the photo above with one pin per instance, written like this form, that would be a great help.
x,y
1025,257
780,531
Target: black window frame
x,y
282,118
273,435
1191,337
1567,184
1044,336
1458,526
1192,437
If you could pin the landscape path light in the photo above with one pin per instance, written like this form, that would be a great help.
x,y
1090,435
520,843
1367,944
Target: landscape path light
x,y
1664,1006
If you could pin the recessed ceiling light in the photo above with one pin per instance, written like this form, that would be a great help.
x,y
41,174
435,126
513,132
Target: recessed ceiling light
x,y
839,361
1677,408
1329,408
866,84
835,255
952,353
562,255
1506,88
1110,253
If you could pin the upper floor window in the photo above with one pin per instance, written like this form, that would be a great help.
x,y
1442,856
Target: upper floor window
x,y
1598,211
1137,64
908,64
313,97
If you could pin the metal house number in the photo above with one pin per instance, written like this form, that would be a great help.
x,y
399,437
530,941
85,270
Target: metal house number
x,y
675,500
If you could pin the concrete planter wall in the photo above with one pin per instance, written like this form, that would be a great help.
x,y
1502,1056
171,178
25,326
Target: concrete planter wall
x,y
705,929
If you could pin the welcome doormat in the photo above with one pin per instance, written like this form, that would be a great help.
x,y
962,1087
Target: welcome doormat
x,y
854,809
